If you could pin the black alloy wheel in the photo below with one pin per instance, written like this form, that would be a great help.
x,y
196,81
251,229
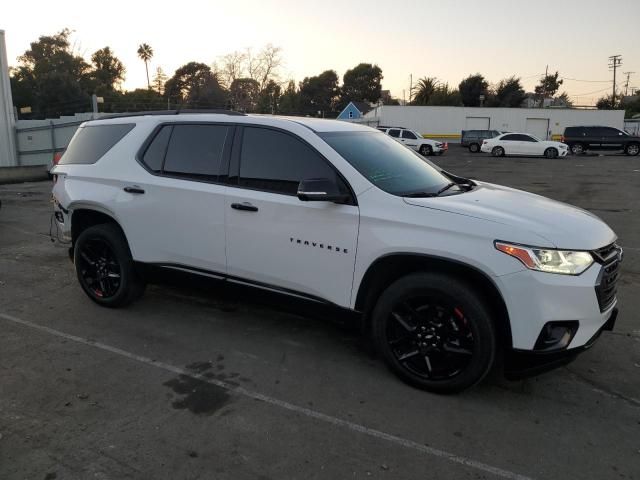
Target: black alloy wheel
x,y
434,332
99,267
430,337
104,266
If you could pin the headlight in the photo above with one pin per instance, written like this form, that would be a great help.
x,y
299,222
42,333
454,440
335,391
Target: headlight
x,y
548,260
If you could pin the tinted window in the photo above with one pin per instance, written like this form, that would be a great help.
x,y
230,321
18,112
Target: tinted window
x,y
526,138
573,132
154,156
387,164
195,150
394,133
91,142
510,138
408,134
277,162
610,132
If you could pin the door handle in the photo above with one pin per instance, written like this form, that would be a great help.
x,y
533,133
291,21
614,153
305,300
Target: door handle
x,y
246,206
134,189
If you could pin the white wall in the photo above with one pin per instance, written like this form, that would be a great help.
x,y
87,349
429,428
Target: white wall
x,y
7,139
447,122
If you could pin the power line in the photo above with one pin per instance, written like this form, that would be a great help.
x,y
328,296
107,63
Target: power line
x,y
587,81
590,93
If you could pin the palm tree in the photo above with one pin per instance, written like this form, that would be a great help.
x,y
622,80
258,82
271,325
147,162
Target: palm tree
x,y
424,90
145,52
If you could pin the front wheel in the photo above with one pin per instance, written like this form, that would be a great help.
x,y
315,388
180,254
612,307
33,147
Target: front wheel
x,y
551,153
426,150
434,332
497,152
105,268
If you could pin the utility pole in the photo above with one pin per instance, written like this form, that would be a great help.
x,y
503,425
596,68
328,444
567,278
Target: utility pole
x,y
615,61
626,85
410,86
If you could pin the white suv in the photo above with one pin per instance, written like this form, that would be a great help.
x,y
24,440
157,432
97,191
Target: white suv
x,y
415,141
445,271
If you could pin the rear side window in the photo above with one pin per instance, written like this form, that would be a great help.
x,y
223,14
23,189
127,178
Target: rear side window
x,y
154,156
91,142
394,133
511,137
195,151
276,162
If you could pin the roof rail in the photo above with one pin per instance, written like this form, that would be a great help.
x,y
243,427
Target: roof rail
x,y
170,112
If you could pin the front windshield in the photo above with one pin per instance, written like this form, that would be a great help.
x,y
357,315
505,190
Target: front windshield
x,y
387,164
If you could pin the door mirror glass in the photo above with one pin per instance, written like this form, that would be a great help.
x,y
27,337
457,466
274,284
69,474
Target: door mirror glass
x,y
320,190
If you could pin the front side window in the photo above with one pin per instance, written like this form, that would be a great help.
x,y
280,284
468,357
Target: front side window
x,y
386,163
408,134
195,150
527,138
276,162
395,133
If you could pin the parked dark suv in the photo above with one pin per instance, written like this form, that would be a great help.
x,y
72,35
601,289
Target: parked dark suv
x,y
473,138
581,139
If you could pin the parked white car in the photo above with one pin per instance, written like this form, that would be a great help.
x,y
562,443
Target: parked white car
x,y
523,144
415,141
445,273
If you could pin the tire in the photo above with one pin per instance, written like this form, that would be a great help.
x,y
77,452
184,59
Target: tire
x,y
497,152
551,153
632,149
104,266
577,149
407,335
426,150
474,148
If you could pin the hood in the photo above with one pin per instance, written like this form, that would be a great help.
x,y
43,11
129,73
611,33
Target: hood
x,y
563,225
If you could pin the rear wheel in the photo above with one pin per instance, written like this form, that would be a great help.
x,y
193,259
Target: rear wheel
x,y
105,268
632,149
497,152
434,332
577,148
474,148
551,153
426,150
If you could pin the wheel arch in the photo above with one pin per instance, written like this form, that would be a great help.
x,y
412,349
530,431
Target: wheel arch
x,y
85,216
389,268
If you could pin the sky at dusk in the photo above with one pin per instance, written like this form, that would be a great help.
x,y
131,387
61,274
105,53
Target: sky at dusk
x,y
445,39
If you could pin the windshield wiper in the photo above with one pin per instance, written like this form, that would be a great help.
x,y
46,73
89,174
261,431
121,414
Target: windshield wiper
x,y
467,184
445,188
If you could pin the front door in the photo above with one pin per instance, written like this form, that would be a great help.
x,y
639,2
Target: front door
x,y
409,139
274,239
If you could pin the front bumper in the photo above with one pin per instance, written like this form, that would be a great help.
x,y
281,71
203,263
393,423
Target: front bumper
x,y
526,363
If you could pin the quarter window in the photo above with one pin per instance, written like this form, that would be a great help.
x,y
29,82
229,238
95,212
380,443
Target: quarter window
x,y
154,156
91,142
195,151
276,162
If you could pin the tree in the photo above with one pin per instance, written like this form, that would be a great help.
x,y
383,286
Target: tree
x,y
290,100
159,79
563,100
145,53
471,88
261,67
108,72
424,89
50,78
269,98
319,94
243,94
607,103
508,93
196,85
548,87
445,96
361,83
140,99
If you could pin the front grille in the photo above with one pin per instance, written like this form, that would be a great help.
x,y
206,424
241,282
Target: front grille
x,y
609,257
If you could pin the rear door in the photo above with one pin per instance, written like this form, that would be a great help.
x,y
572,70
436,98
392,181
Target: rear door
x,y
273,238
175,214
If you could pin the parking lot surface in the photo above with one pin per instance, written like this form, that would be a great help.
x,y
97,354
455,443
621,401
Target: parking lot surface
x,y
209,381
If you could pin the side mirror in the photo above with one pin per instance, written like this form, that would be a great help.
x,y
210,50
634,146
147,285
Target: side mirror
x,y
320,190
